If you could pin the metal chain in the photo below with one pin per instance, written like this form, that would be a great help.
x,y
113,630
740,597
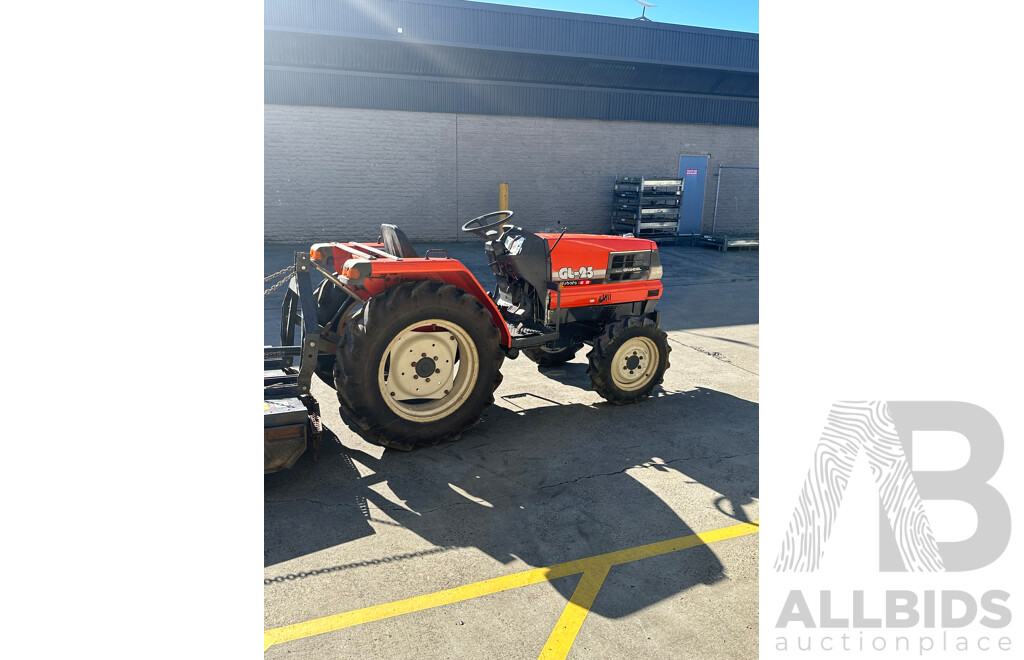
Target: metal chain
x,y
275,287
286,269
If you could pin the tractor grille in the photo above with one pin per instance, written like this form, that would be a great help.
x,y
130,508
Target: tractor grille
x,y
627,266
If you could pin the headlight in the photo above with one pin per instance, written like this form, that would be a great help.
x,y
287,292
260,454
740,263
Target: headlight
x,y
655,272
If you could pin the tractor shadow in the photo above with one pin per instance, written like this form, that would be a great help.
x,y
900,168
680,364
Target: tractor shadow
x,y
570,374
545,485
315,505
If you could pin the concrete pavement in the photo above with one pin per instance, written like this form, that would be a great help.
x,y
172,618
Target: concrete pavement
x,y
552,474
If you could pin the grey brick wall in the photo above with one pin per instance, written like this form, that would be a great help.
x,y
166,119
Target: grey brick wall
x,y
337,173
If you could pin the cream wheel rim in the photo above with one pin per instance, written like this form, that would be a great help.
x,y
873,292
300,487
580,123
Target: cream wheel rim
x,y
428,370
634,364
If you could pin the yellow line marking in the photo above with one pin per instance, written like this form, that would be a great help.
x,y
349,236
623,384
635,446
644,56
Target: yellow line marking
x,y
406,606
575,612
594,564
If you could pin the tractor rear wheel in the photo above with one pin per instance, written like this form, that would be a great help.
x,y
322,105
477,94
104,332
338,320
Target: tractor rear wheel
x,y
629,359
419,365
545,357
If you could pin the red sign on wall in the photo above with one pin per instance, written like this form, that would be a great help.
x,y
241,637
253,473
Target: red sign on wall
x,y
691,172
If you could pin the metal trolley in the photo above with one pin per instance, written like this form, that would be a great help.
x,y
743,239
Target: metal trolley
x,y
647,207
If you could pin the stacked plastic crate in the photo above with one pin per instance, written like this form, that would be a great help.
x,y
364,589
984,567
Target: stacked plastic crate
x,y
647,207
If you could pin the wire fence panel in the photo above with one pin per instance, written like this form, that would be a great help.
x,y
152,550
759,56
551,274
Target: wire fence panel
x,y
736,201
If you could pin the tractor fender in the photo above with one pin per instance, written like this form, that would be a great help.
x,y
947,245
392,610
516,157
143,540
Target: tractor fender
x,y
379,275
465,281
448,271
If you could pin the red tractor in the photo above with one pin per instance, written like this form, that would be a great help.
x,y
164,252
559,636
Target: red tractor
x,y
414,345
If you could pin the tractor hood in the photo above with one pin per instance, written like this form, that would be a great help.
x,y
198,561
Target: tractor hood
x,y
590,259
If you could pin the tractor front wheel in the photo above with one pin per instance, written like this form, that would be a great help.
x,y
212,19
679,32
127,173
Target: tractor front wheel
x,y
419,365
628,360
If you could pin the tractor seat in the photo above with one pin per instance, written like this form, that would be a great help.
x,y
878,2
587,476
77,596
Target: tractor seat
x,y
396,242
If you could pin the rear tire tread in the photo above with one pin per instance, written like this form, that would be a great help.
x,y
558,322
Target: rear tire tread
x,y
355,370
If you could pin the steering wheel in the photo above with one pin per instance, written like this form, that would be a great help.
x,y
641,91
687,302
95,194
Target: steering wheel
x,y
481,230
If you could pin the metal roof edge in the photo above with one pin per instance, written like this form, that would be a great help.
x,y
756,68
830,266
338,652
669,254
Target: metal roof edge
x,y
487,6
506,83
462,113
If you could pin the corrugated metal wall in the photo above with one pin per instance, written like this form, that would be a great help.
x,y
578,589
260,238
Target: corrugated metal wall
x,y
355,54
473,58
497,26
354,90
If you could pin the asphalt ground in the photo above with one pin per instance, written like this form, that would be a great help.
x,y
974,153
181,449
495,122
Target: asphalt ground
x,y
473,549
